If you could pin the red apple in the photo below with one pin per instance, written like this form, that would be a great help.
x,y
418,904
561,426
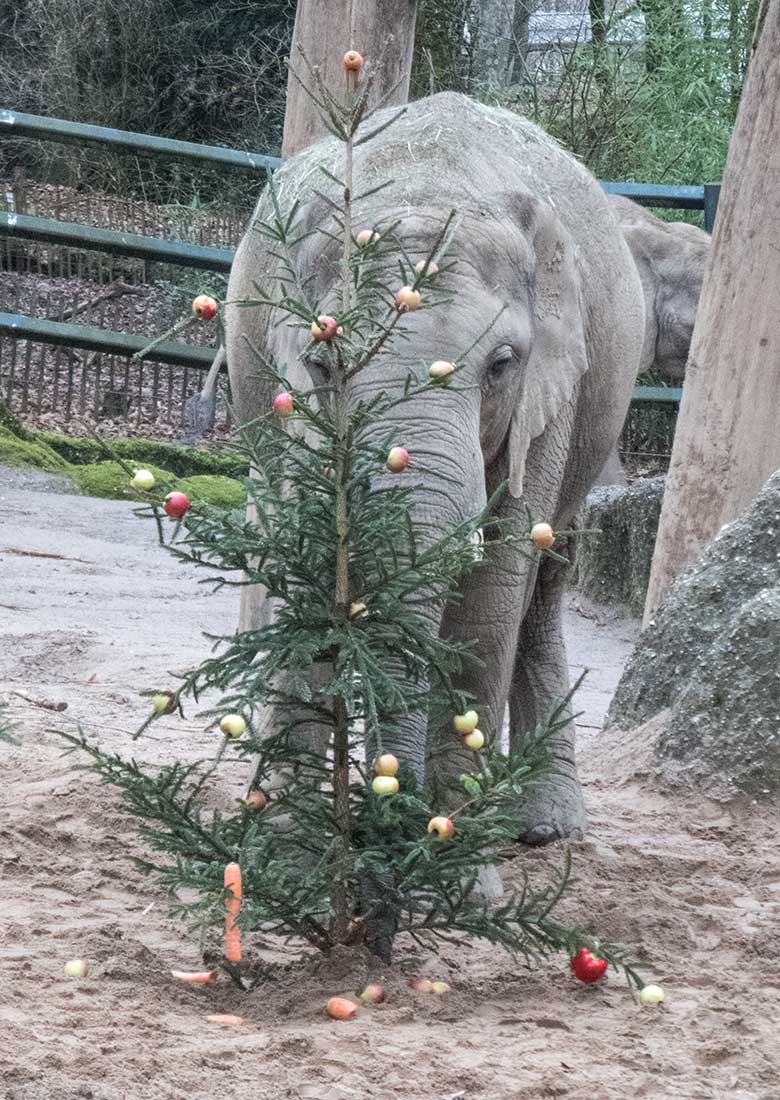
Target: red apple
x,y
586,967
421,985
255,800
442,826
353,62
205,307
176,505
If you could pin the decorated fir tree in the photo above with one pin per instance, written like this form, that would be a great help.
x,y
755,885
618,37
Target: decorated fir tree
x,y
334,842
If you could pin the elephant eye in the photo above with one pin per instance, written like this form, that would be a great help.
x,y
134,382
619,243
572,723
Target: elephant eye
x,y
499,362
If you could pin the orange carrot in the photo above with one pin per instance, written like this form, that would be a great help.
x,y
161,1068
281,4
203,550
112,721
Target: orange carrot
x,y
233,906
196,977
224,1018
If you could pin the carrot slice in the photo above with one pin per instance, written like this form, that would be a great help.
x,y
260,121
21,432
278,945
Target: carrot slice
x,y
224,1018
233,906
196,977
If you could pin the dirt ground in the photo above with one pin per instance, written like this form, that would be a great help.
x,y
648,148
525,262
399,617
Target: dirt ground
x,y
694,885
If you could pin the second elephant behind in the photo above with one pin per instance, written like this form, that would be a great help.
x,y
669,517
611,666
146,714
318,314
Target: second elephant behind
x,y
670,258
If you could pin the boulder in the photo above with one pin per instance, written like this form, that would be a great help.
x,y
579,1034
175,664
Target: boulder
x,y
614,567
711,656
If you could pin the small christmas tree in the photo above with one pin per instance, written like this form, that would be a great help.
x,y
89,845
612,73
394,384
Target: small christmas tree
x,y
335,841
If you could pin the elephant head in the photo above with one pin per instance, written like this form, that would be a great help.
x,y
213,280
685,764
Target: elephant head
x,y
545,323
670,258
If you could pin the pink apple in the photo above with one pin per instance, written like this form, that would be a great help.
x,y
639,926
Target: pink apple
x,y
420,267
397,460
441,371
386,764
325,328
373,994
204,307
283,404
407,299
542,536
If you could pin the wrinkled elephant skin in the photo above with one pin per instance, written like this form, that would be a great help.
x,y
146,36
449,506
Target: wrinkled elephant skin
x,y
545,389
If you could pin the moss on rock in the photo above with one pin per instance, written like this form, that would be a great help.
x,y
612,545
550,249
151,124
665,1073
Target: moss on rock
x,y
181,460
222,492
112,482
16,451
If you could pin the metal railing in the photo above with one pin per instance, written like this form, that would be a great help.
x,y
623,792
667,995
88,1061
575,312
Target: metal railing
x,y
14,124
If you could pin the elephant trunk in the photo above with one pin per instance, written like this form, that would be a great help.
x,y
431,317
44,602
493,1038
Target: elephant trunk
x,y
447,479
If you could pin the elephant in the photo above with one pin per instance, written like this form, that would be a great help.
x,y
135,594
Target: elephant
x,y
670,258
543,391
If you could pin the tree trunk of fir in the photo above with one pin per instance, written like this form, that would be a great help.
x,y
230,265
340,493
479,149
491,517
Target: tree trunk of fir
x,y
382,32
728,433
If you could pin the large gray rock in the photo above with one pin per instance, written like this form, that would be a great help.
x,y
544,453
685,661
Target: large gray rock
x,y
724,729
614,567
712,656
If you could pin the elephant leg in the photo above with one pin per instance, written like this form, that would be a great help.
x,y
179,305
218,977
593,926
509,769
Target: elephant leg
x,y
554,806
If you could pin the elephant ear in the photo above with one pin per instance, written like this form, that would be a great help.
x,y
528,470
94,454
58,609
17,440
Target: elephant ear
x,y
558,356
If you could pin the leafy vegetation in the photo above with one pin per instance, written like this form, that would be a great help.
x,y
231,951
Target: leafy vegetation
x,y
645,91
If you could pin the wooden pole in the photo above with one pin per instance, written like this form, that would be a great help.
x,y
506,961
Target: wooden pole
x,y
728,432
383,32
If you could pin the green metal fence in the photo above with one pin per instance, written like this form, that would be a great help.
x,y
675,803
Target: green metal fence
x,y
55,234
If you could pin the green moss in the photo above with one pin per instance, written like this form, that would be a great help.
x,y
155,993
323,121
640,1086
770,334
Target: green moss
x,y
223,492
20,452
111,481
11,425
181,460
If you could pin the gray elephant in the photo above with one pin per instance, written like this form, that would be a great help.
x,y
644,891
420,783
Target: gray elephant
x,y
544,391
670,258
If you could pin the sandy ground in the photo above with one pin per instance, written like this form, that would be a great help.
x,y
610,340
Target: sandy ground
x,y
695,885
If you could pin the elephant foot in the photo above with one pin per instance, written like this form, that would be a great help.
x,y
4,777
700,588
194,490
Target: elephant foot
x,y
554,809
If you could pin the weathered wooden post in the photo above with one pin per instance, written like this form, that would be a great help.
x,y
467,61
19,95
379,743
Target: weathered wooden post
x,y
325,29
728,433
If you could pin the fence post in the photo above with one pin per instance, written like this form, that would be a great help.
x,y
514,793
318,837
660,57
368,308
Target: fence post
x,y
711,196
